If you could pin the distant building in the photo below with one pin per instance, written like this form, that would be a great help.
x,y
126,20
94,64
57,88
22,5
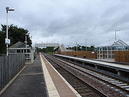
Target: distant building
x,y
107,52
20,47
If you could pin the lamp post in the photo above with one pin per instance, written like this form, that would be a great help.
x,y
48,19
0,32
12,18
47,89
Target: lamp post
x,y
7,40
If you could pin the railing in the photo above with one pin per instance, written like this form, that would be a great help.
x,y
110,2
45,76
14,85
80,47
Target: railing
x,y
29,58
9,67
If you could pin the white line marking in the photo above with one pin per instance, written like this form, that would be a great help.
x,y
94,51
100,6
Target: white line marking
x,y
52,91
74,91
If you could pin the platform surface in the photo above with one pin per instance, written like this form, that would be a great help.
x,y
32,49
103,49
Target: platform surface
x,y
126,67
61,87
30,83
40,79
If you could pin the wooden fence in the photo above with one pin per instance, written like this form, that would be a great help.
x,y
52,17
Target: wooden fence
x,y
121,56
83,54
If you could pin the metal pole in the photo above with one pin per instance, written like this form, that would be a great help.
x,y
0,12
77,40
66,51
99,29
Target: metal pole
x,y
99,52
26,40
107,52
7,32
76,47
7,41
115,35
86,46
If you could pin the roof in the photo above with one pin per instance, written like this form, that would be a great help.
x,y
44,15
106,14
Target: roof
x,y
18,45
120,43
117,45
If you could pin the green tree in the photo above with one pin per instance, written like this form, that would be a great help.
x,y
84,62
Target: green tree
x,y
15,34
46,50
2,43
82,48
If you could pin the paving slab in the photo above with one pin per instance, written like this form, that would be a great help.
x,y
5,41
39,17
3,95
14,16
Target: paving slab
x,y
30,83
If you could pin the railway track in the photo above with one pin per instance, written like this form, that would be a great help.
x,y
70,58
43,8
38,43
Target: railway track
x,y
81,87
121,84
104,85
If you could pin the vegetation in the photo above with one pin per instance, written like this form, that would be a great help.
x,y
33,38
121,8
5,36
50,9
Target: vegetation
x,y
82,48
49,50
15,34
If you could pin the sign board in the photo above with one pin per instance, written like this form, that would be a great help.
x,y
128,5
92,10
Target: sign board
x,y
7,41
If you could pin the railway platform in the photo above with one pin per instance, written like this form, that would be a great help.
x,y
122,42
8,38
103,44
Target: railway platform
x,y
114,69
39,79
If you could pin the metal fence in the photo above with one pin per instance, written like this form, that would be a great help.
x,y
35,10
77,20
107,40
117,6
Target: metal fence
x,y
9,67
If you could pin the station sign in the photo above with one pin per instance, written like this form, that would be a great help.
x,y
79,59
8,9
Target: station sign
x,y
7,41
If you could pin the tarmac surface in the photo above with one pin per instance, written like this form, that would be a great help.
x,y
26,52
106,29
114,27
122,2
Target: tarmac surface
x,y
30,83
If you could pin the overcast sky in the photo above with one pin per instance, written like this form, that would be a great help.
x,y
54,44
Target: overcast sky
x,y
89,22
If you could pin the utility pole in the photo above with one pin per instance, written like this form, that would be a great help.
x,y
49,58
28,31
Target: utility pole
x,y
76,46
115,35
116,30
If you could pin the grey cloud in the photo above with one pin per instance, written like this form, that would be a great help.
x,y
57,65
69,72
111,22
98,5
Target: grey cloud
x,y
89,22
